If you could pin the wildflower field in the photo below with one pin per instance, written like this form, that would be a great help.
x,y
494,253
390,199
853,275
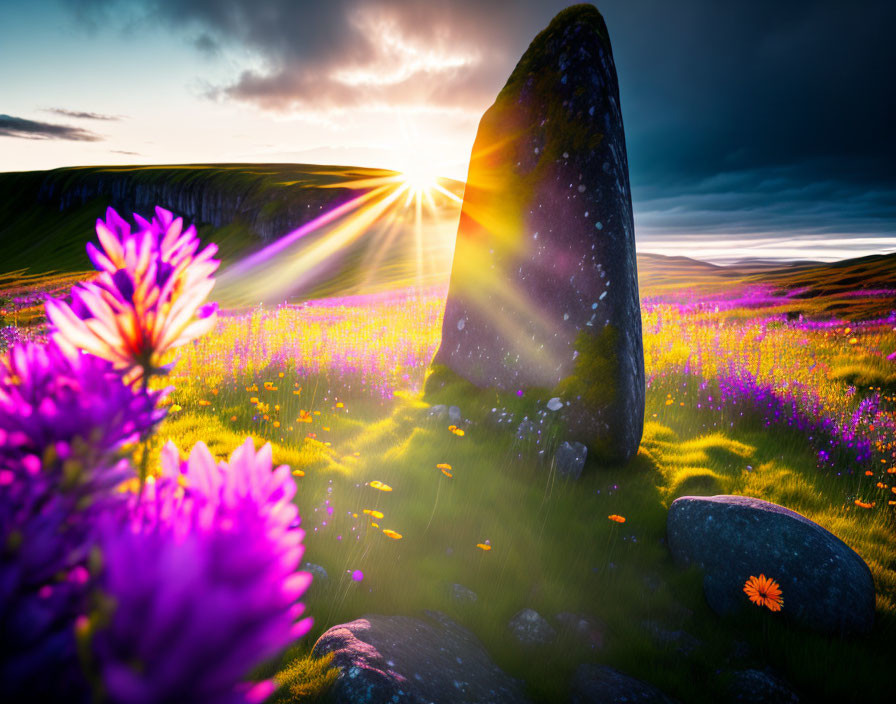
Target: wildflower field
x,y
755,385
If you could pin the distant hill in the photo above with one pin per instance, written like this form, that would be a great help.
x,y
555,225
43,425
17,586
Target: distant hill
x,y
864,287
46,217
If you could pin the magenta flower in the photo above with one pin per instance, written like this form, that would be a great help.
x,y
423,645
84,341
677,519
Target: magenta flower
x,y
70,414
63,420
148,298
201,585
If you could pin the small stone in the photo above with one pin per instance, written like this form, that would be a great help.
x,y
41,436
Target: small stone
x,y
454,414
460,593
570,459
319,573
525,429
530,628
555,404
439,411
585,628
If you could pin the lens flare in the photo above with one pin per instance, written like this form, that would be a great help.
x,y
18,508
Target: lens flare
x,y
360,246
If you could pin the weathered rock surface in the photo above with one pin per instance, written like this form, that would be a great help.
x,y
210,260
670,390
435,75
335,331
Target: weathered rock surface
x,y
399,659
597,684
825,585
544,289
530,628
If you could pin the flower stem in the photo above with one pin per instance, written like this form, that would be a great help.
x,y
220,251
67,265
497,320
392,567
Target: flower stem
x,y
144,440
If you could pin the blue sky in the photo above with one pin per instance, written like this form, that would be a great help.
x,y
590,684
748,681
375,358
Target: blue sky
x,y
753,128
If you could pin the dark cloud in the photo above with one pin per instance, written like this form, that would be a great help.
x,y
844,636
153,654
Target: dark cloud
x,y
30,129
207,45
739,116
78,115
343,54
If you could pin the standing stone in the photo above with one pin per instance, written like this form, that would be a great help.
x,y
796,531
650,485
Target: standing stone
x,y
544,289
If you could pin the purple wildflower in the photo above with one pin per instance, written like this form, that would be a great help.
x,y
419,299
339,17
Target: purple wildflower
x,y
148,298
63,419
69,414
200,586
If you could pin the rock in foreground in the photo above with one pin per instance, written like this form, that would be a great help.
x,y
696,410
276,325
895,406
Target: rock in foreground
x,y
825,585
544,290
398,659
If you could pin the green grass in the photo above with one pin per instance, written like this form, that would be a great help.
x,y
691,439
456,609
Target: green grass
x,y
553,548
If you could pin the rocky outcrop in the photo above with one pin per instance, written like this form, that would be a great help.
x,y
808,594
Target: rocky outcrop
x,y
270,200
399,659
544,290
825,585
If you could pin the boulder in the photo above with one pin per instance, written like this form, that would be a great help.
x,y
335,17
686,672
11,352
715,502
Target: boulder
x,y
825,585
570,459
530,628
598,684
544,290
400,659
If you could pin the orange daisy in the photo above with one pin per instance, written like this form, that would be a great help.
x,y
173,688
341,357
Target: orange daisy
x,y
764,591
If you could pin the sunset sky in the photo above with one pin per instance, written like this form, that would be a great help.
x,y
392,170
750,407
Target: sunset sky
x,y
758,122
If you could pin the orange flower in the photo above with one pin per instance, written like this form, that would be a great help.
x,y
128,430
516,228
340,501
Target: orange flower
x,y
764,591
486,546
377,484
864,504
389,533
617,518
447,474
443,465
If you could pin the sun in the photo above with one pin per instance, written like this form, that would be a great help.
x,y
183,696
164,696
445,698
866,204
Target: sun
x,y
420,177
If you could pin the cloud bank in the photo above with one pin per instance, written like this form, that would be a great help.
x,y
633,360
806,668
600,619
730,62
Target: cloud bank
x,y
31,129
740,117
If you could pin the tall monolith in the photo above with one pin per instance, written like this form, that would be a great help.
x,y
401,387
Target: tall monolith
x,y
544,287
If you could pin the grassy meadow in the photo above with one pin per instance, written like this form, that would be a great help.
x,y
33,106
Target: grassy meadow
x,y
771,384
